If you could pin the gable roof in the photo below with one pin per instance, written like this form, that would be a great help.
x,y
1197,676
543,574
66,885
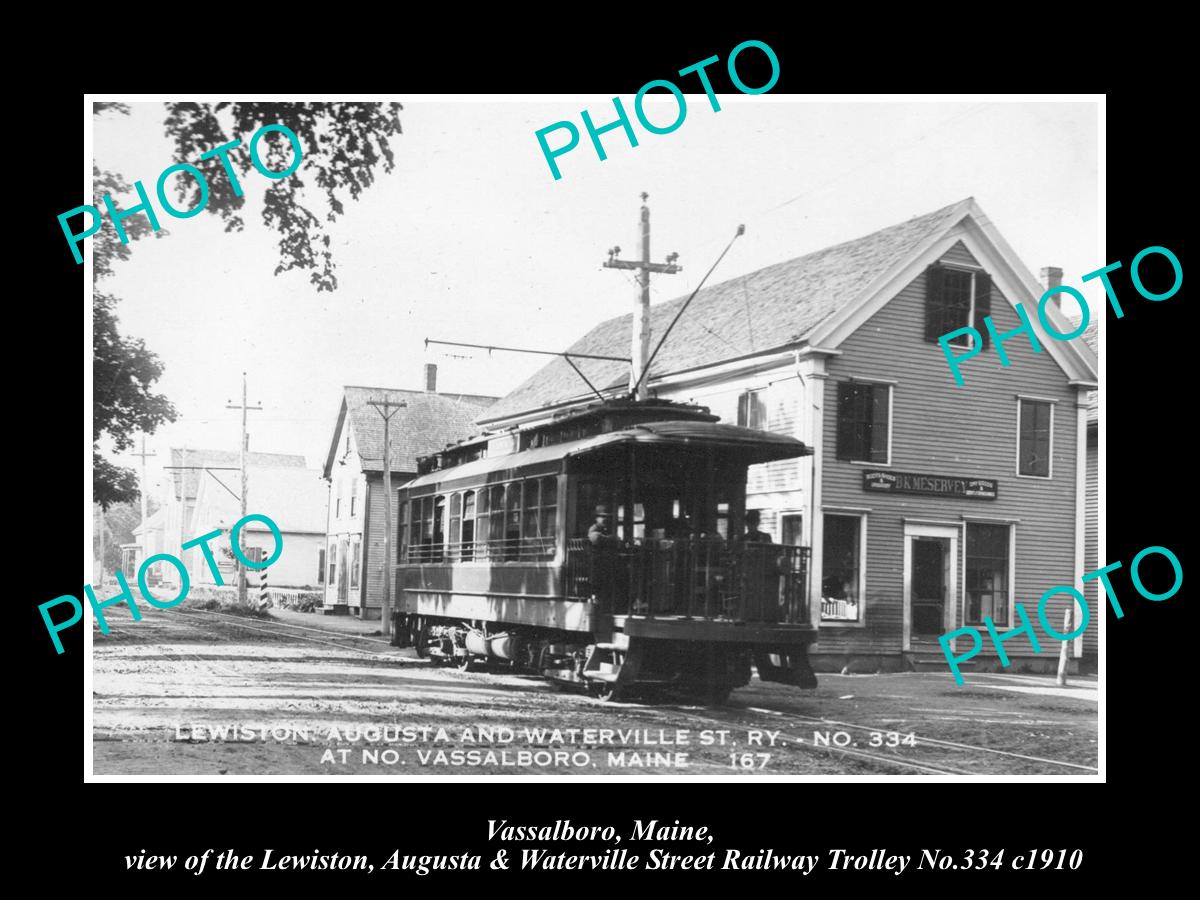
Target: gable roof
x,y
293,498
785,301
1092,337
782,305
201,457
425,425
153,522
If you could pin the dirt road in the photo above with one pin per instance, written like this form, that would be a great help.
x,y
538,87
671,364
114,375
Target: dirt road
x,y
190,692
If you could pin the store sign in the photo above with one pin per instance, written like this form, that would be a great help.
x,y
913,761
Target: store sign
x,y
935,485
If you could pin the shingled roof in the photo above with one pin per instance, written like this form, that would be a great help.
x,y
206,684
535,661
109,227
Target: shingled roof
x,y
786,301
197,456
428,423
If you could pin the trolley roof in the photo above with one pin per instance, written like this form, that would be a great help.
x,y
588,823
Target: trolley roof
x,y
748,444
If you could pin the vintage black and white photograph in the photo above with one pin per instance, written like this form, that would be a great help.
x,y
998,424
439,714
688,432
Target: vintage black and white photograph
x,y
451,437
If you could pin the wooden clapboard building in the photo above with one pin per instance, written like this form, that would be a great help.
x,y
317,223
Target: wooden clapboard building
x,y
927,505
352,562
1091,556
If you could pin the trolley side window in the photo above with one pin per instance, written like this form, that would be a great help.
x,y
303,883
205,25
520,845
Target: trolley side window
x,y
512,520
541,518
529,526
496,521
402,542
455,545
439,526
467,550
548,516
482,531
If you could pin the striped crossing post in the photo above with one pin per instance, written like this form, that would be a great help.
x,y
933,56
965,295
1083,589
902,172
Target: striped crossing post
x,y
263,600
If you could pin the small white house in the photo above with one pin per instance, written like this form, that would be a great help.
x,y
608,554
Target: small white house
x,y
293,498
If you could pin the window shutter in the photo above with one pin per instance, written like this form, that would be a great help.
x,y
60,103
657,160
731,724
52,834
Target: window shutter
x,y
933,302
983,305
880,397
846,419
744,409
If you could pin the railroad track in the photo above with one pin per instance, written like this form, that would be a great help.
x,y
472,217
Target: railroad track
x,y
790,722
785,721
341,638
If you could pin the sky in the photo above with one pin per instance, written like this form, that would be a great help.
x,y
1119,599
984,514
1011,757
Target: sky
x,y
471,239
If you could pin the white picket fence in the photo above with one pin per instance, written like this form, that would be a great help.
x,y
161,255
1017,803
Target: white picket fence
x,y
282,598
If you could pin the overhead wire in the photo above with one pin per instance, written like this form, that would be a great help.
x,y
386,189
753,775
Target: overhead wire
x,y
757,217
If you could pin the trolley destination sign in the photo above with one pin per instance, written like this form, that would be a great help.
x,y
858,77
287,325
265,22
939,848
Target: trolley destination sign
x,y
935,485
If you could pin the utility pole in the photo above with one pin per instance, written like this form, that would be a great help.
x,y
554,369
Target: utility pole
x,y
245,444
100,575
640,350
387,408
143,456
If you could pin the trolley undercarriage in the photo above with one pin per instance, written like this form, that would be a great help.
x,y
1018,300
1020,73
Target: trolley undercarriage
x,y
617,666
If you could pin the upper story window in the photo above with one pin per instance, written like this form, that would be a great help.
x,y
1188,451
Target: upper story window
x,y
353,495
1035,437
864,416
956,298
752,410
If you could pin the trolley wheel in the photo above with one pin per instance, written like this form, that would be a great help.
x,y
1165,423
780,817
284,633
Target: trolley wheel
x,y
605,691
418,631
717,694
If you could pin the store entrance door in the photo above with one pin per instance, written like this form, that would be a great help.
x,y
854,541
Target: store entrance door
x,y
930,584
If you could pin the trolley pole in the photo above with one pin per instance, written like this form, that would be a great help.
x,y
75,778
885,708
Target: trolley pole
x,y
245,447
387,408
640,347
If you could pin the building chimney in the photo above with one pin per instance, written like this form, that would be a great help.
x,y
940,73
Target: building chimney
x,y
1052,278
431,375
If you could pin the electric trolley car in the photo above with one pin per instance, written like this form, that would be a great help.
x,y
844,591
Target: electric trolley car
x,y
603,550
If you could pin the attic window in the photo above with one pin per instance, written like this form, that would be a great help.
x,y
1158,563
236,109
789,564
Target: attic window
x,y
956,298
752,410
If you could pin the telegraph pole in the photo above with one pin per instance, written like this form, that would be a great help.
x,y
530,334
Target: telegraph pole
x,y
143,456
245,444
640,350
387,408
100,574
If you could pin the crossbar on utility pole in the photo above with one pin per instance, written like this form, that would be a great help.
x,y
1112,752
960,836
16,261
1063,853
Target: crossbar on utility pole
x,y
387,408
245,444
640,353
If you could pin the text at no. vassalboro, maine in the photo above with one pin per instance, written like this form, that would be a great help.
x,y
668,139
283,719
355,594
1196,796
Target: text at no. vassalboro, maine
x,y
622,119
126,595
1026,327
118,216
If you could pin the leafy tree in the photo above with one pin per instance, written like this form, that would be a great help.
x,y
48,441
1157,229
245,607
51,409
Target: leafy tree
x,y
123,404
107,248
343,144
